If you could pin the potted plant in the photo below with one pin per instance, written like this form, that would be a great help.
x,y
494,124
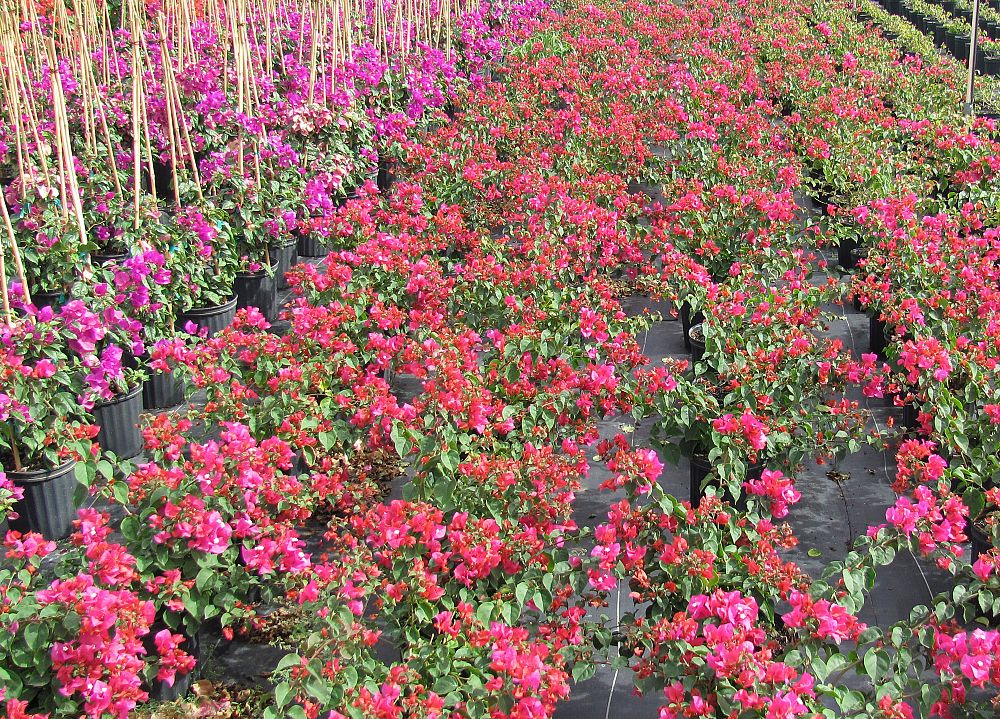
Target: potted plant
x,y
281,190
204,261
48,239
115,382
45,364
767,390
78,639
990,50
210,523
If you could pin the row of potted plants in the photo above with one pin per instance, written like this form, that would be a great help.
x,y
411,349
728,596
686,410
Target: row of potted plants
x,y
488,279
174,240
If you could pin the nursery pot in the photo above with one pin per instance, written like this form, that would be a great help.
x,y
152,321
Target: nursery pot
x,y
103,258
688,321
937,32
162,390
55,300
980,541
386,176
701,468
163,179
286,256
961,48
910,416
257,289
949,42
845,253
311,246
214,319
696,340
48,506
991,65
159,690
877,340
119,423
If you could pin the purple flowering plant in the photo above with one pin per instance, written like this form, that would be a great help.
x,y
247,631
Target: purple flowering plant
x,y
201,257
10,493
52,371
48,238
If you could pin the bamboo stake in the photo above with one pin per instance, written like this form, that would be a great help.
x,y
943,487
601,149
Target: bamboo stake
x,y
136,157
15,253
65,151
173,137
4,292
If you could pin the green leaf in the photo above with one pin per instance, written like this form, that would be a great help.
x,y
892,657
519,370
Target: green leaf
x,y
975,500
35,636
120,492
876,664
282,693
521,593
582,671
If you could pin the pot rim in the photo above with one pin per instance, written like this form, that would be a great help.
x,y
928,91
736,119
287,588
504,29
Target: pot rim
x,y
120,398
36,476
259,273
110,255
202,311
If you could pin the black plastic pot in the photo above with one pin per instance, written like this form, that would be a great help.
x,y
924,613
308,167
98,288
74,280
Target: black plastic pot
x,y
910,416
286,256
980,541
103,258
55,300
696,339
846,257
119,423
310,245
701,468
961,48
214,319
937,32
258,289
162,390
991,65
949,42
163,180
159,690
386,174
877,340
688,321
48,506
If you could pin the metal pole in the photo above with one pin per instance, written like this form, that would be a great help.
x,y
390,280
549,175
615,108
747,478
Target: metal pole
x,y
974,41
